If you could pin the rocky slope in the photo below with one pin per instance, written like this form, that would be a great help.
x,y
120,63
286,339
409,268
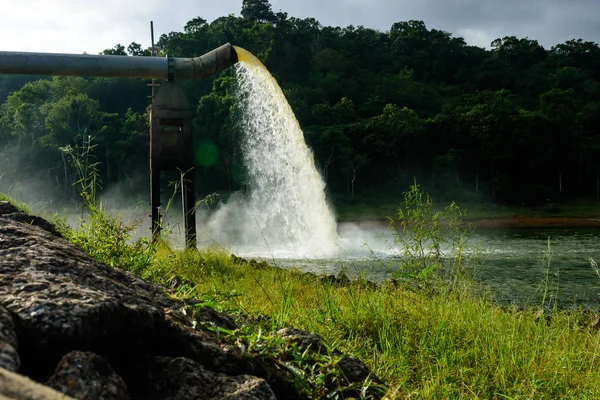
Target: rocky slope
x,y
90,331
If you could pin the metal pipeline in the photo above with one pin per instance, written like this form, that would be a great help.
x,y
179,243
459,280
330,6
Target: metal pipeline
x,y
118,66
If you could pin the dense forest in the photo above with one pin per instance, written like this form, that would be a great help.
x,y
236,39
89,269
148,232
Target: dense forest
x,y
517,123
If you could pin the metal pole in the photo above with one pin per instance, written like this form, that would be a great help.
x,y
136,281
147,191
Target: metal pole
x,y
153,53
155,204
152,37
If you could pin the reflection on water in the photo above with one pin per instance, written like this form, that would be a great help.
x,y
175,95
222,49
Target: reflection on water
x,y
513,262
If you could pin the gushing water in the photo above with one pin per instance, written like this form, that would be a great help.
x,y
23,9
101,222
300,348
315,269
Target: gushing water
x,y
285,211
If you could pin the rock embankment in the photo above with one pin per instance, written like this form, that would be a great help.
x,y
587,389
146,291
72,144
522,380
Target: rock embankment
x,y
89,331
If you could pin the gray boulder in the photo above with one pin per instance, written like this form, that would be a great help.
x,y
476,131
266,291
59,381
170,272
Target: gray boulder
x,y
10,211
9,358
181,378
85,375
94,332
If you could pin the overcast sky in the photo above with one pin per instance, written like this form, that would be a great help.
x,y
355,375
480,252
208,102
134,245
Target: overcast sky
x,y
75,26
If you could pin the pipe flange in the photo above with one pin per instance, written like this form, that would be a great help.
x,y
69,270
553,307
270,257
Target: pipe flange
x,y
170,67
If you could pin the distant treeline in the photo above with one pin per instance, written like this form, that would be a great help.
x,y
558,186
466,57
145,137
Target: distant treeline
x,y
517,123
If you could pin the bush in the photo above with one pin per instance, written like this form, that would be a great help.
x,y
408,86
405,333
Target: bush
x,y
433,244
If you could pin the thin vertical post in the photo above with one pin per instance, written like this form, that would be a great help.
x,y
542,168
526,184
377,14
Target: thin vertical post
x,y
153,53
154,170
189,208
155,200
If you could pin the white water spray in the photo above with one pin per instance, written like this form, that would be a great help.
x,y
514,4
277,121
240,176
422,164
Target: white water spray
x,y
285,211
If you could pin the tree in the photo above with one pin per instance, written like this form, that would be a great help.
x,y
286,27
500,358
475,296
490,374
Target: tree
x,y
342,112
577,53
195,25
516,123
69,118
118,50
135,49
519,53
392,133
257,11
167,42
22,111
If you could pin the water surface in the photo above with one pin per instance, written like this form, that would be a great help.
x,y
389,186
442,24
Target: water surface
x,y
516,264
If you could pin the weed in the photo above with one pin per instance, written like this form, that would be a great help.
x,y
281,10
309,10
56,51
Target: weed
x,y
104,236
432,243
549,287
108,239
86,167
425,344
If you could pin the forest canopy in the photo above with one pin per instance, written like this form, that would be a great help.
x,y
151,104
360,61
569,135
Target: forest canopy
x,y
516,123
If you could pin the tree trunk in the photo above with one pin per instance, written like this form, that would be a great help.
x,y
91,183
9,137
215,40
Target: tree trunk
x,y
580,172
228,172
66,182
355,168
597,185
494,183
328,163
107,164
560,183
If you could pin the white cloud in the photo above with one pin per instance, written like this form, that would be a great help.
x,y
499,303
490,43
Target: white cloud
x,y
476,37
75,26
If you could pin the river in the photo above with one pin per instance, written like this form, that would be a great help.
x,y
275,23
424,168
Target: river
x,y
515,262
517,265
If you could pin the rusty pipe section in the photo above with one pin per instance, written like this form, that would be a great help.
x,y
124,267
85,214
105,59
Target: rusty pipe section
x,y
118,66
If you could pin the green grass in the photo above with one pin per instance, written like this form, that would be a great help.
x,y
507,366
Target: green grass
x,y
21,206
434,346
438,344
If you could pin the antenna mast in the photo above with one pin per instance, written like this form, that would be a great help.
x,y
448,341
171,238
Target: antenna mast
x,y
153,54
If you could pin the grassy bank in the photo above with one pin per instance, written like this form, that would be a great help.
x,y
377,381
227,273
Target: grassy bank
x,y
425,343
424,346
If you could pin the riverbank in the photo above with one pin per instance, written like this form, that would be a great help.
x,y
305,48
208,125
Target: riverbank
x,y
424,344
517,221
92,329
571,214
523,221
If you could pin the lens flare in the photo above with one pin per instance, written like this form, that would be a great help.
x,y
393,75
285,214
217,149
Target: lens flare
x,y
206,154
